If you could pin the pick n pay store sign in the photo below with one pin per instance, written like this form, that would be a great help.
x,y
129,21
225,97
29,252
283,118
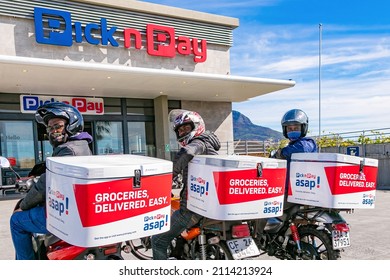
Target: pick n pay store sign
x,y
88,106
55,27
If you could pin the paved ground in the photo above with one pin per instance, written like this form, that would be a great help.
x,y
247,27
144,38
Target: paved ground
x,y
370,228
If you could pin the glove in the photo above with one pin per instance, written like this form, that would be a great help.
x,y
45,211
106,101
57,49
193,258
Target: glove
x,y
177,182
277,154
24,185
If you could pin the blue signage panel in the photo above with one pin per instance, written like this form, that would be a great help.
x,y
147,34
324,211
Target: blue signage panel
x,y
353,151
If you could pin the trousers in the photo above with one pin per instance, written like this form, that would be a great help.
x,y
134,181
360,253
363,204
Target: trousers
x,y
23,224
181,219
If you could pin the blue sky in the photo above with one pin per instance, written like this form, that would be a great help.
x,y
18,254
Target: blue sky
x,y
280,39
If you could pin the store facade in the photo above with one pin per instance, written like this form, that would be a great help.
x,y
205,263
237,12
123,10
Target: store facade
x,y
125,65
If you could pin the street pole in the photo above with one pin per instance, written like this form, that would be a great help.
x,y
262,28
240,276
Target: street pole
x,y
319,83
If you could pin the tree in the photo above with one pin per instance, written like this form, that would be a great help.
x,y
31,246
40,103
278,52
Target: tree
x,y
335,140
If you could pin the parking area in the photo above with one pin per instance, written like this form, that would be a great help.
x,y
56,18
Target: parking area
x,y
369,230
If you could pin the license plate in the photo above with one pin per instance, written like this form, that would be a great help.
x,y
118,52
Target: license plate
x,y
340,239
243,248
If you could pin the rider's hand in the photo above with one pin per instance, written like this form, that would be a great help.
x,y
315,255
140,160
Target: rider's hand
x,y
279,154
177,182
25,185
17,206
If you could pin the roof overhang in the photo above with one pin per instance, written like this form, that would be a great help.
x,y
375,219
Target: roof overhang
x,y
69,78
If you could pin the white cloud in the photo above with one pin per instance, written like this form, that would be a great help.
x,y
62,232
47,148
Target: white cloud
x,y
355,59
355,88
345,105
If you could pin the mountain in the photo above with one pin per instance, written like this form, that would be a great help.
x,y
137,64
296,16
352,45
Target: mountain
x,y
244,129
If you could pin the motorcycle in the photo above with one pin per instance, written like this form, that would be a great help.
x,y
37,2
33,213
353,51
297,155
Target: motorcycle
x,y
304,233
50,247
207,240
8,183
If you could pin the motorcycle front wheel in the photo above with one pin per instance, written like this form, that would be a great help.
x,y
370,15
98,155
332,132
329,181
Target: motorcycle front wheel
x,y
316,244
141,248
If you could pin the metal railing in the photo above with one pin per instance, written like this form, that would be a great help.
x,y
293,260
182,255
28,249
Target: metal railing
x,y
360,137
262,148
245,147
356,136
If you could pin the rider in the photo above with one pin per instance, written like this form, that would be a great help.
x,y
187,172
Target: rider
x,y
295,124
194,140
64,126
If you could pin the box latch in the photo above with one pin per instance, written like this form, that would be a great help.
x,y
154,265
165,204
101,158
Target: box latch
x,y
259,169
361,166
137,179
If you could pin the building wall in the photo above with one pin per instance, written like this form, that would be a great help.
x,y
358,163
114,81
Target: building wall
x,y
218,118
17,25
20,33
20,42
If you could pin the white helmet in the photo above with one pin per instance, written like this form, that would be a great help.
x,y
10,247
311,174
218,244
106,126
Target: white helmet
x,y
183,117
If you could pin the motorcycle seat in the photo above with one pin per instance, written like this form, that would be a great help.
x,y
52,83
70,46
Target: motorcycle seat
x,y
209,222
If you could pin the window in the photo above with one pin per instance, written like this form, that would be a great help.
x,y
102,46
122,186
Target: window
x,y
140,107
112,106
109,137
9,103
17,143
141,138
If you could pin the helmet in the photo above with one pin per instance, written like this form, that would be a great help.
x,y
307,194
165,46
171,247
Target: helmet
x,y
188,117
75,121
293,117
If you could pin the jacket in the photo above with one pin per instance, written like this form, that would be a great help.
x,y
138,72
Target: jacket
x,y
301,145
76,146
205,144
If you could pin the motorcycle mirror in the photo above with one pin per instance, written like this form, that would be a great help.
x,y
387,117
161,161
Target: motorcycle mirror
x,y
4,163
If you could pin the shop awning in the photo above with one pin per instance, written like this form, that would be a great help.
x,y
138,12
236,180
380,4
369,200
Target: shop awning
x,y
56,77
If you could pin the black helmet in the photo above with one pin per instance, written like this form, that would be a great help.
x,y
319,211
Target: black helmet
x,y
75,121
293,117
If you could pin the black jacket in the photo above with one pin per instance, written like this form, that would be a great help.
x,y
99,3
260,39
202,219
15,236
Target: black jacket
x,y
37,194
205,144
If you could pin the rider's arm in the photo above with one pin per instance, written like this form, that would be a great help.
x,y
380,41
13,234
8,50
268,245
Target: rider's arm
x,y
36,195
302,145
186,154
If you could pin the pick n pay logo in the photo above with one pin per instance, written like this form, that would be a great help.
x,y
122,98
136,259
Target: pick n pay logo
x,y
55,27
58,33
199,186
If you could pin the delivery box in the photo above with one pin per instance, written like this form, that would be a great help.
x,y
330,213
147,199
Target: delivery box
x,y
236,187
98,200
332,180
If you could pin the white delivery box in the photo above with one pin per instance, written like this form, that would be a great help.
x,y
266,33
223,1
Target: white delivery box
x,y
332,180
234,187
98,200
